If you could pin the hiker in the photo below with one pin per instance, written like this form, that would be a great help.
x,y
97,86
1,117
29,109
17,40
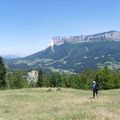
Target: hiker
x,y
95,89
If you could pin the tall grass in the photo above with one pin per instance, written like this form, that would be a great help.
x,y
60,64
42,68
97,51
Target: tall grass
x,y
62,104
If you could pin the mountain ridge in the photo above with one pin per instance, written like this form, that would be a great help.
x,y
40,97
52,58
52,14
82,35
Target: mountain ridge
x,y
109,35
64,56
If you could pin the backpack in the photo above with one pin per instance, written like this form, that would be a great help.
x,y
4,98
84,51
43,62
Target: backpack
x,y
96,86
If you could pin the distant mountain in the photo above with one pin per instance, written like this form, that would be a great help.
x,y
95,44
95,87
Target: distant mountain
x,y
10,56
75,53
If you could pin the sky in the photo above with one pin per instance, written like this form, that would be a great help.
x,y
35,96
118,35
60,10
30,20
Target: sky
x,y
27,26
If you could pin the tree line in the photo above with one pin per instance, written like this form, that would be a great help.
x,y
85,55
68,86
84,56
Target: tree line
x,y
106,78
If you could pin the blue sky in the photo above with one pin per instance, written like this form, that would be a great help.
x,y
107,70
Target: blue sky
x,y
27,26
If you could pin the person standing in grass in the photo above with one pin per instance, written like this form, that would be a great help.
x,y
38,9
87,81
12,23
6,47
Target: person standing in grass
x,y
95,89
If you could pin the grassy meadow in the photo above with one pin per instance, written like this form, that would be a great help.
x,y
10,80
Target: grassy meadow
x,y
66,104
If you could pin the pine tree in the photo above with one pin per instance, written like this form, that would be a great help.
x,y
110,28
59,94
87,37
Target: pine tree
x,y
2,73
40,79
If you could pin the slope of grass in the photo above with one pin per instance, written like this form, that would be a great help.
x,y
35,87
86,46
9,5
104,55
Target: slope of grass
x,y
67,104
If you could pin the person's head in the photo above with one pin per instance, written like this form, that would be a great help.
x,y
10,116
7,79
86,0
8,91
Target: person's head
x,y
94,82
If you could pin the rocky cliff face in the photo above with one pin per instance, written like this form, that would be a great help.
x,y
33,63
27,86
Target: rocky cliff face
x,y
109,36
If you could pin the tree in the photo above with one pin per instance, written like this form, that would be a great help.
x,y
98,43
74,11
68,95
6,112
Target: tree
x,y
66,81
55,80
103,77
2,73
17,80
40,79
86,78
